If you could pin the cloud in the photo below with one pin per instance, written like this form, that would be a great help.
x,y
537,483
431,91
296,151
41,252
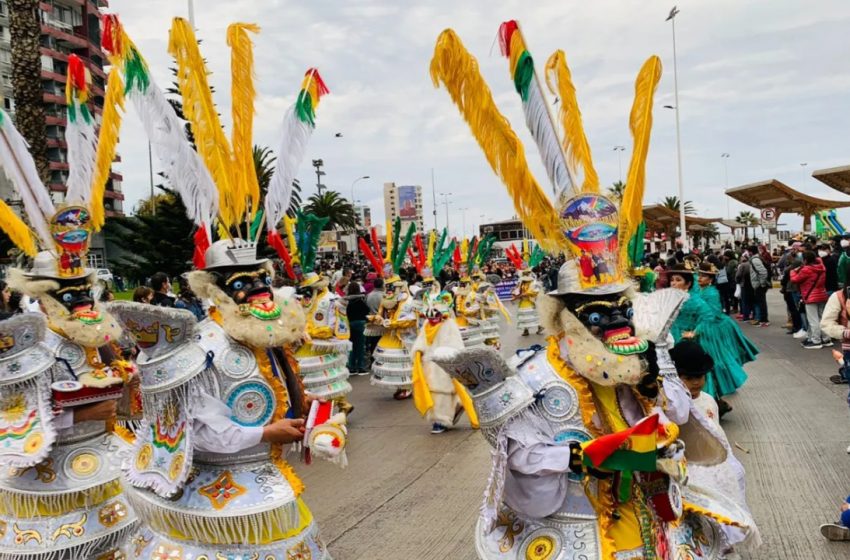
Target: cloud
x,y
764,81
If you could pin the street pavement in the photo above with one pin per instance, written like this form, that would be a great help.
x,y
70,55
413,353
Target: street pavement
x,y
409,494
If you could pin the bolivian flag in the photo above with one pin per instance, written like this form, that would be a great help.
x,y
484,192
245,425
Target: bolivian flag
x,y
630,450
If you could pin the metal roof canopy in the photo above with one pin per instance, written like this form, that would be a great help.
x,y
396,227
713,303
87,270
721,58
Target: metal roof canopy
x,y
836,177
732,224
776,194
660,215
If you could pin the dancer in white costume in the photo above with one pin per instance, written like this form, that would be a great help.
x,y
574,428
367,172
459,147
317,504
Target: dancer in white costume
x,y
223,397
437,396
60,493
323,355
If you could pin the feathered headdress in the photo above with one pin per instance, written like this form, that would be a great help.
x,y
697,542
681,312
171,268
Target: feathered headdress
x,y
63,233
387,267
582,223
218,182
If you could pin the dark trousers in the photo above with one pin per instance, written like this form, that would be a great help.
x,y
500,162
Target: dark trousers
x,y
357,358
760,305
747,297
726,292
793,312
371,344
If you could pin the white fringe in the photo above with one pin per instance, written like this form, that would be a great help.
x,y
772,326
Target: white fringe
x,y
293,146
19,167
233,529
83,551
184,168
495,487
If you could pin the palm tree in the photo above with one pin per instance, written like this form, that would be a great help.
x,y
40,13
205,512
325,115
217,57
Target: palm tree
x,y
747,219
672,202
25,31
617,190
332,205
264,164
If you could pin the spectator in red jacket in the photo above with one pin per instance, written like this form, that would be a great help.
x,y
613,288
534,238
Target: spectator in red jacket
x,y
811,278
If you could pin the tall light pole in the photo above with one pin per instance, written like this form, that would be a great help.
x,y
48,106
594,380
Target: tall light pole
x,y
725,157
463,220
672,19
620,150
434,197
354,183
446,202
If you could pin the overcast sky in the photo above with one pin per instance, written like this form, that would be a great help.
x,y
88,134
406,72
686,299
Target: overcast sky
x,y
764,80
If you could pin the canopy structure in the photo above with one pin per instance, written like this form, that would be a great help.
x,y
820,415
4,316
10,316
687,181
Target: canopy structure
x,y
778,195
732,224
660,217
836,177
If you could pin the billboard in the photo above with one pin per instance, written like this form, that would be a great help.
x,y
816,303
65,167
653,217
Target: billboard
x,y
407,202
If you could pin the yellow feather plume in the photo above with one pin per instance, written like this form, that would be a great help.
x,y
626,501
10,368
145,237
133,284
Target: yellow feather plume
x,y
389,248
560,83
107,144
289,228
17,230
458,71
640,123
464,250
243,95
201,113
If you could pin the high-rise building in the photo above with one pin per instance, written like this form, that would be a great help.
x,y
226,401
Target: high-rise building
x,y
405,202
67,27
364,216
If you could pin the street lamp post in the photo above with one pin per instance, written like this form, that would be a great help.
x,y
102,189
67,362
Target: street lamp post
x,y
318,163
620,150
446,202
672,19
463,220
354,183
725,157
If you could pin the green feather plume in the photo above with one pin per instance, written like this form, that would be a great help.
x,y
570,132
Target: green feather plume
x,y
442,254
400,250
636,246
307,232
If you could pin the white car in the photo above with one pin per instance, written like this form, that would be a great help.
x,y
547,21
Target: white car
x,y
104,275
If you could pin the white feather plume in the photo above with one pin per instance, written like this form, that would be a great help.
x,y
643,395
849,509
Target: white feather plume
x,y
81,138
19,167
296,135
182,165
545,135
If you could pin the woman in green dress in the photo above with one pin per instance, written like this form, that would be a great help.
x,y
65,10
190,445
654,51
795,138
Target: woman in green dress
x,y
702,319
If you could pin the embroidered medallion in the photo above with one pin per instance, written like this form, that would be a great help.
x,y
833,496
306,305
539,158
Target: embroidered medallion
x,y
299,551
252,403
164,551
542,544
112,513
222,490
82,464
143,457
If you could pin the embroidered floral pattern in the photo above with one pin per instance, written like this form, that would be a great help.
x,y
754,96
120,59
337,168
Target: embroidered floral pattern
x,y
222,490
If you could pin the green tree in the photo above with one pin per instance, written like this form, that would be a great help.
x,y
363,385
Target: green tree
x,y
151,242
617,190
672,202
747,219
264,164
332,205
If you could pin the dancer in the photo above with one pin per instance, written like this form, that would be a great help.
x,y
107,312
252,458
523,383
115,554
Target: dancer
x,y
527,289
392,365
62,372
436,395
491,308
468,313
561,481
323,355
702,319
222,398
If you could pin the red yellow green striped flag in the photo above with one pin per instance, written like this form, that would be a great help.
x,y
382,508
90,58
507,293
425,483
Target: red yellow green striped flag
x,y
630,450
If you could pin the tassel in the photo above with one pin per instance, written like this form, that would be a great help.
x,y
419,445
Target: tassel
x,y
458,71
107,144
276,243
242,111
17,230
202,115
640,123
560,83
202,243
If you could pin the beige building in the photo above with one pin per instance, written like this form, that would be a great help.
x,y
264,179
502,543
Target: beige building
x,y
404,201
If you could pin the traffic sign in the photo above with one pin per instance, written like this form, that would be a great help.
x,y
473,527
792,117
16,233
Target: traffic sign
x,y
768,218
